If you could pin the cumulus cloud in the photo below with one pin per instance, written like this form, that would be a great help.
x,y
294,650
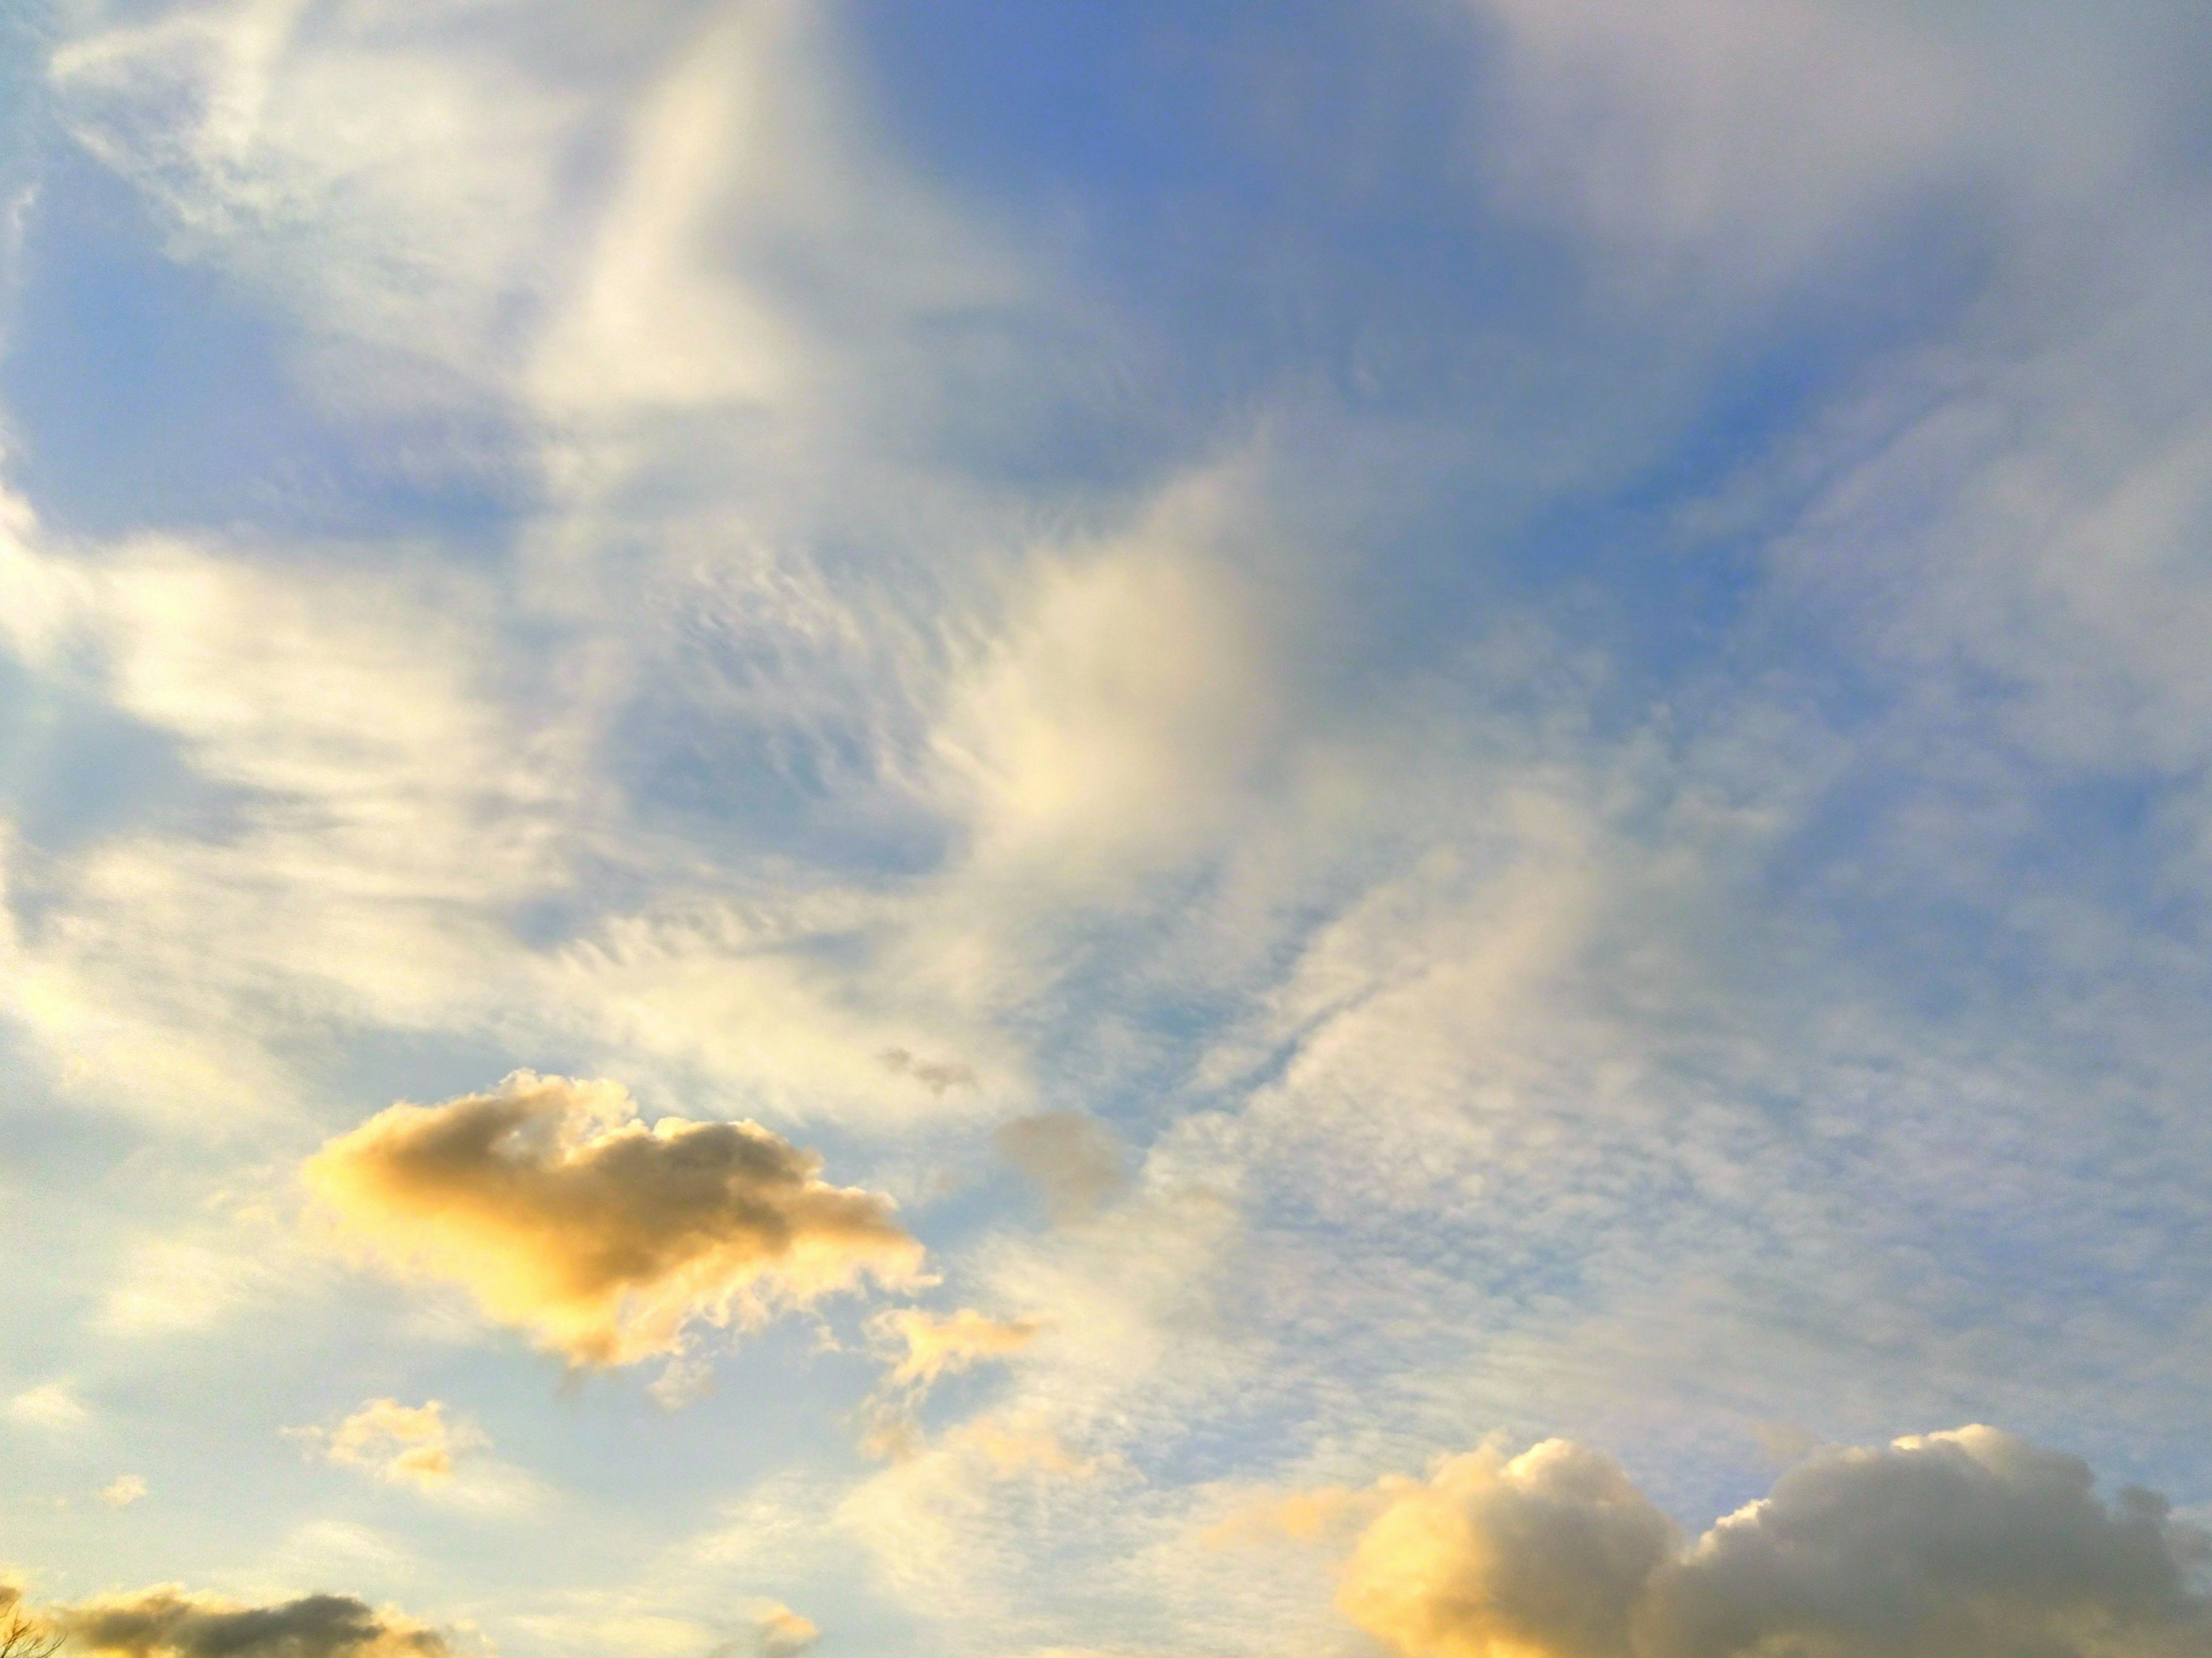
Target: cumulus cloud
x,y
170,1622
1546,1553
123,1491
1075,1160
1970,1544
601,1236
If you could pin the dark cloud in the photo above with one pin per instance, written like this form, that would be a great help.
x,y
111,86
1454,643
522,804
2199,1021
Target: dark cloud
x,y
168,1622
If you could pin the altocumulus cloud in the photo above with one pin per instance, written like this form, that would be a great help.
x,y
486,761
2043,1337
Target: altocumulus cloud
x,y
1971,1544
602,1237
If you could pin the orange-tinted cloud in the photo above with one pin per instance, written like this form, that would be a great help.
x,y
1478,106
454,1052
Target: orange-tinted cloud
x,y
411,1443
601,1236
1541,1557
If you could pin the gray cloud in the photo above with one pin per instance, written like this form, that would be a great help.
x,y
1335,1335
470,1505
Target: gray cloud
x,y
1074,1160
1971,1544
169,1622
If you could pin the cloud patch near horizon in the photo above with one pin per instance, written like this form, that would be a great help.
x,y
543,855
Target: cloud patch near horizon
x,y
603,1238
167,1621
1968,1544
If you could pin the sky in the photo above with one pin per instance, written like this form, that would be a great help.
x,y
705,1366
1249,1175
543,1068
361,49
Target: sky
x,y
1369,828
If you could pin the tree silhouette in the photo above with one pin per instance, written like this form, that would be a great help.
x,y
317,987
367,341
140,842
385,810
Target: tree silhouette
x,y
23,1636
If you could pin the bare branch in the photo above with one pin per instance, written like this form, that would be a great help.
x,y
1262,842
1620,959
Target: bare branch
x,y
23,1636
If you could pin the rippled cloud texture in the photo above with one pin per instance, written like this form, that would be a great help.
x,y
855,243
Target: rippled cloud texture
x,y
1037,832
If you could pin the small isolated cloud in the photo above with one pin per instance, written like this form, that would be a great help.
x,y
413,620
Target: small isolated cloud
x,y
406,1444
169,1622
935,1346
1965,1544
782,1632
123,1491
935,1075
601,1236
1074,1160
50,1405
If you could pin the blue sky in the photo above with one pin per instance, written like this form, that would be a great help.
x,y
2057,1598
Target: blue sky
x,y
1419,763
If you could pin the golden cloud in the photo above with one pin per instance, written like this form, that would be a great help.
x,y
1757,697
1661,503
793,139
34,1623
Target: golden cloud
x,y
935,1346
782,1632
601,1236
1965,1544
404,1443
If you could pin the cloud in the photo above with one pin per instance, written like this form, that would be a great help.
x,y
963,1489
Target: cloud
x,y
935,1075
935,1346
1971,1544
404,1443
123,1491
783,1633
1742,139
51,1406
1117,719
602,1238
1075,1160
169,1622
1546,1553
417,1445
407,232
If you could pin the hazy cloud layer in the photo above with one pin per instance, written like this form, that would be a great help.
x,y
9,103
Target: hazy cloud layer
x,y
601,1236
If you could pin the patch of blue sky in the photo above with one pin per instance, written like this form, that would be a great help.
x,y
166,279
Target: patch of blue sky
x,y
148,392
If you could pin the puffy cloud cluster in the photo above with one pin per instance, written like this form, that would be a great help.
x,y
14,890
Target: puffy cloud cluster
x,y
1546,1554
169,1622
602,1237
1971,1544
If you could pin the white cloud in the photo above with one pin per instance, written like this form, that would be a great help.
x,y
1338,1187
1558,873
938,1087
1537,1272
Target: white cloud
x,y
391,184
1129,699
1736,143
51,1406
